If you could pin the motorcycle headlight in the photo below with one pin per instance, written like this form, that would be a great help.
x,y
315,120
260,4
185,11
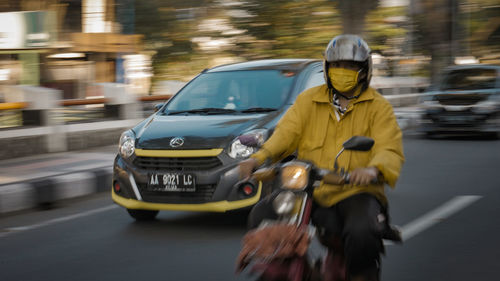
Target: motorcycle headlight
x,y
284,202
127,144
248,143
485,107
295,175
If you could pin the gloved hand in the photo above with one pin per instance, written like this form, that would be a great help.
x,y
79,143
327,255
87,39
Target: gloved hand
x,y
363,176
247,167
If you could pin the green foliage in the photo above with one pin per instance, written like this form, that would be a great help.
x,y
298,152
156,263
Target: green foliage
x,y
386,27
253,29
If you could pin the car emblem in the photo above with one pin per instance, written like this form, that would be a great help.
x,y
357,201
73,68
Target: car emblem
x,y
176,142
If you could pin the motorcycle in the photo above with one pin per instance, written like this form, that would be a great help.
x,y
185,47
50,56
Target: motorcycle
x,y
278,248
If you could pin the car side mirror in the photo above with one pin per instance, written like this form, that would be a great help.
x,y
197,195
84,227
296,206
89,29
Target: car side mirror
x,y
158,107
358,143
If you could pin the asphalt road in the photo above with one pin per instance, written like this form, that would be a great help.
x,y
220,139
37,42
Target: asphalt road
x,y
447,203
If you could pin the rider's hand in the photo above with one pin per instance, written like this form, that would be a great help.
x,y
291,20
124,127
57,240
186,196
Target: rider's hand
x,y
247,167
363,176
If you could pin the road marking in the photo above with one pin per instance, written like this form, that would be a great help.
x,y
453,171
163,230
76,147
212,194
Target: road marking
x,y
435,216
17,229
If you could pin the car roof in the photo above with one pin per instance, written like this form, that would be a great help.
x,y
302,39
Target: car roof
x,y
473,66
278,64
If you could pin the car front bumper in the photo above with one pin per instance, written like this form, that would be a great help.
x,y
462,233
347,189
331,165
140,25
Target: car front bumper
x,y
460,123
220,206
217,189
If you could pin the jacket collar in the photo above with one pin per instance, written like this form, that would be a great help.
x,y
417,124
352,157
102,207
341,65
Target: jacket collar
x,y
322,95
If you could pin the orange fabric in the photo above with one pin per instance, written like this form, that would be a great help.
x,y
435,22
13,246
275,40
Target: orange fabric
x,y
271,242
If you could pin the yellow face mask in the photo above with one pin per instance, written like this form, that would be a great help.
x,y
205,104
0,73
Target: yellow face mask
x,y
343,80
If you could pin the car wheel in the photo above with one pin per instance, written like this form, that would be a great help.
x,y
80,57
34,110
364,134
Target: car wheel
x,y
142,215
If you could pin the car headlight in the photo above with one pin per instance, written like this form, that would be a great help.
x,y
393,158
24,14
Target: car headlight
x,y
239,150
248,143
127,144
431,104
284,202
485,106
295,175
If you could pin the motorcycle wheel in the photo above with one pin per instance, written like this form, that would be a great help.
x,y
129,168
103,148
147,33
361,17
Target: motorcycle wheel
x,y
142,215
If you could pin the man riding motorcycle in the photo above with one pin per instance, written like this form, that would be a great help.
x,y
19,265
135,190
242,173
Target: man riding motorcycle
x,y
315,127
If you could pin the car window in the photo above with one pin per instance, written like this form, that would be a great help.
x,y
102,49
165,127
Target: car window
x,y
470,79
238,90
315,79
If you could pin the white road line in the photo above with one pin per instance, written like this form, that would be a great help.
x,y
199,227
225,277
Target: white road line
x,y
17,229
435,216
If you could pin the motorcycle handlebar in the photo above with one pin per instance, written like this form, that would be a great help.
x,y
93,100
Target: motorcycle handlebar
x,y
329,177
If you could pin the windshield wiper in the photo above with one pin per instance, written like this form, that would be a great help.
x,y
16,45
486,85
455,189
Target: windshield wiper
x,y
208,110
258,109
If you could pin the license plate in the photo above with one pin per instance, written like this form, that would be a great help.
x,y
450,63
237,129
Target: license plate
x,y
457,118
171,182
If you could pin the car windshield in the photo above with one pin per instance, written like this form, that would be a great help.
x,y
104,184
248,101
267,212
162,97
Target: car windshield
x,y
470,79
233,91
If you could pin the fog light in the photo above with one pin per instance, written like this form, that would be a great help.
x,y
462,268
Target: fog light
x,y
117,187
247,189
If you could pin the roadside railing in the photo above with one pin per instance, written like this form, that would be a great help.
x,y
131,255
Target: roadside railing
x,y
70,111
10,114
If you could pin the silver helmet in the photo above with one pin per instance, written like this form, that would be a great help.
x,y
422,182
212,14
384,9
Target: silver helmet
x,y
347,47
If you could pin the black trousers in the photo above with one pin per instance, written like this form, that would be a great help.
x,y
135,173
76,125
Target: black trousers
x,y
358,222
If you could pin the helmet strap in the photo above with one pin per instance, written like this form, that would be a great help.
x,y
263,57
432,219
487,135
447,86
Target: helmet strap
x,y
346,97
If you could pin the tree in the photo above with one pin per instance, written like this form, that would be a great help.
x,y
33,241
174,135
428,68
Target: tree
x,y
284,28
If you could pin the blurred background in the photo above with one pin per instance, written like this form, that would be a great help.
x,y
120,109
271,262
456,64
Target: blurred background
x,y
72,44
76,61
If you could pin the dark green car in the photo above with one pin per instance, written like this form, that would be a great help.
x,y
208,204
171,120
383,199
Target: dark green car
x,y
185,156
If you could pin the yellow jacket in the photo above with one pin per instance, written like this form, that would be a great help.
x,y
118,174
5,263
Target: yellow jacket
x,y
310,127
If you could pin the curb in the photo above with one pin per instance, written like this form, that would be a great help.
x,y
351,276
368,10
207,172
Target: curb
x,y
43,193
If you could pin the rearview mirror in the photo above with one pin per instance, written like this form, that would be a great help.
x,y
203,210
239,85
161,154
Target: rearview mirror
x,y
158,107
358,143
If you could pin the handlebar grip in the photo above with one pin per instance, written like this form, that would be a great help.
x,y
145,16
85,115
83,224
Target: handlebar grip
x,y
347,177
333,178
264,174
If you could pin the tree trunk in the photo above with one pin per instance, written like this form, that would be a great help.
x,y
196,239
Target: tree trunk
x,y
353,13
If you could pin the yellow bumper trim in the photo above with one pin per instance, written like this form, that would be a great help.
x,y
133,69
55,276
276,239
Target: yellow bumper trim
x,y
178,153
220,206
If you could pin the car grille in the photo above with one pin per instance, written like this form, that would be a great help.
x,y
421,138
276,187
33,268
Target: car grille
x,y
453,119
203,194
460,101
177,163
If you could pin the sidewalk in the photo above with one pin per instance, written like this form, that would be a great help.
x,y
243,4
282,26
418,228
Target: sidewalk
x,y
40,180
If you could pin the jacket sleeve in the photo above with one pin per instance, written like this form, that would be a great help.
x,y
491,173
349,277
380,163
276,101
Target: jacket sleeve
x,y
285,138
387,151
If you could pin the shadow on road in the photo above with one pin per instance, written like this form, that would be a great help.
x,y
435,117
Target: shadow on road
x,y
190,225
233,219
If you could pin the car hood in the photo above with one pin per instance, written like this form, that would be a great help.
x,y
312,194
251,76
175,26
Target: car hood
x,y
198,131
